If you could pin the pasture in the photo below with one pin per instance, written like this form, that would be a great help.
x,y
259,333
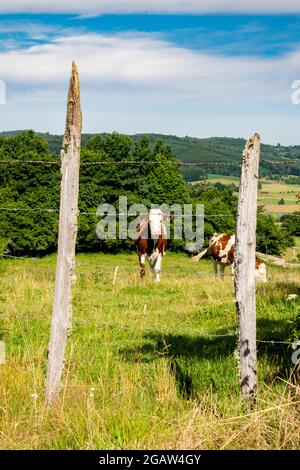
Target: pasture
x,y
269,194
143,367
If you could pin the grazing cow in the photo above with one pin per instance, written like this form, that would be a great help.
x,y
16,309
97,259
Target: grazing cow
x,y
151,243
221,248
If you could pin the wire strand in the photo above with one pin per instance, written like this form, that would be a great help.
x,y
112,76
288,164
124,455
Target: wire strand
x,y
145,162
21,209
145,329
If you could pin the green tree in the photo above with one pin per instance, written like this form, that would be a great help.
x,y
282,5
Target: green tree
x,y
291,223
271,238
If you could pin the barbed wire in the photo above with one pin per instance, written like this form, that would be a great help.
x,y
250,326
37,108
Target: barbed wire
x,y
80,212
153,328
28,258
145,162
130,267
105,267
35,162
3,315
273,341
144,329
117,162
199,216
134,268
21,209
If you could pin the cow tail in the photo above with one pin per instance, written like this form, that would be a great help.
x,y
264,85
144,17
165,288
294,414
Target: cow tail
x,y
200,255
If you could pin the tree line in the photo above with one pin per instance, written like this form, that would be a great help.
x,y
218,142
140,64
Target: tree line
x,y
32,188
278,162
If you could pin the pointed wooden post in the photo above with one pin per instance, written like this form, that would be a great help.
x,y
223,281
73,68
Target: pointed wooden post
x,y
244,268
61,314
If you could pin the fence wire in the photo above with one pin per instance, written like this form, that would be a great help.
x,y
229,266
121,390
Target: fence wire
x,y
144,329
94,213
145,162
130,267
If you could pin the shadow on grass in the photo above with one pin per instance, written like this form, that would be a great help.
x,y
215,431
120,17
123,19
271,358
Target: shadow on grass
x,y
194,358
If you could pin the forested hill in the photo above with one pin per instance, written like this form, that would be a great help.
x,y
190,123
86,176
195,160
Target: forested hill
x,y
214,149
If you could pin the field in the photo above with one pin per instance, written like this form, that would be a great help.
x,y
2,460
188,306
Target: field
x,y
143,369
270,193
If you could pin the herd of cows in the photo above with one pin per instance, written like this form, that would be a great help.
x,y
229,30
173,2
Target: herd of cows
x,y
152,240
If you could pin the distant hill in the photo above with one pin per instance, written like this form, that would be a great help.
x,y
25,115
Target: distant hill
x,y
214,149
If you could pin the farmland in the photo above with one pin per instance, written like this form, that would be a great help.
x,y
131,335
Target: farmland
x,y
270,193
142,370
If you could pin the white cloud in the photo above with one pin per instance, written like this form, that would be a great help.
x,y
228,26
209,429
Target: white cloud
x,y
28,27
142,83
33,30
146,64
150,6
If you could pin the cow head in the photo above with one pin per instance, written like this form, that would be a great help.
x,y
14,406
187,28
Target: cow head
x,y
156,219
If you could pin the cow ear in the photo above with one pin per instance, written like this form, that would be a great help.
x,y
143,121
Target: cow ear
x,y
167,217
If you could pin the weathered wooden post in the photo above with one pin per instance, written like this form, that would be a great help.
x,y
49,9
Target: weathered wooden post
x,y
70,163
244,268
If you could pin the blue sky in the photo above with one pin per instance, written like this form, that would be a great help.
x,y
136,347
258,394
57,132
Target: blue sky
x,y
186,74
264,35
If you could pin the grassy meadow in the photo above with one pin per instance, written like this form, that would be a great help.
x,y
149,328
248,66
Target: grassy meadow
x,y
143,369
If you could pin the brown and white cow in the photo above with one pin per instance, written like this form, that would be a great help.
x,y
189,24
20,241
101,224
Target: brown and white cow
x,y
151,243
221,248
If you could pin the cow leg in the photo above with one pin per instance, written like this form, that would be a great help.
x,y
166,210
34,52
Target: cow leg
x,y
215,268
222,270
157,267
142,265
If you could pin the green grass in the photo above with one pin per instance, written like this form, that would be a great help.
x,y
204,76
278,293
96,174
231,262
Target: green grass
x,y
141,370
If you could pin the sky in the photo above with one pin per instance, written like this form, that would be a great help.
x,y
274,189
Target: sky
x,y
198,68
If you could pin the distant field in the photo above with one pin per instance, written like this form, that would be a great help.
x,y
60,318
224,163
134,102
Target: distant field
x,y
286,209
270,193
223,179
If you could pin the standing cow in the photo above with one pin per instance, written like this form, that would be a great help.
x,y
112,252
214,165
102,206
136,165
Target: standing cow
x,y
151,243
221,248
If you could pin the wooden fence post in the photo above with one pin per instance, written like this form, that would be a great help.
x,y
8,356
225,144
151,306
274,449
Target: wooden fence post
x,y
70,163
244,268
